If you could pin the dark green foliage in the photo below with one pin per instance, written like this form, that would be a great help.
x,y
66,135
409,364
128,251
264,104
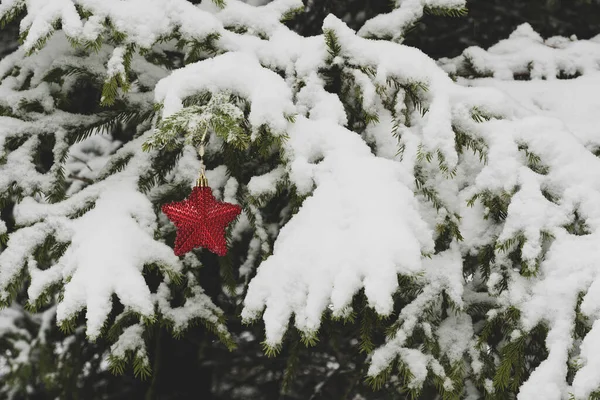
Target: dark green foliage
x,y
447,233
119,80
291,14
534,162
200,50
519,357
115,165
332,43
447,12
162,166
577,226
466,141
228,273
496,204
108,121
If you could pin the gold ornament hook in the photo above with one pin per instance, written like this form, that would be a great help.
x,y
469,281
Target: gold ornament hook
x,y
202,181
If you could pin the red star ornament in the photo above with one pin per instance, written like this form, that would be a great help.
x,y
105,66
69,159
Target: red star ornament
x,y
200,221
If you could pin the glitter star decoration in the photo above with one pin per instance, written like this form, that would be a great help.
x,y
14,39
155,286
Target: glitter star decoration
x,y
201,221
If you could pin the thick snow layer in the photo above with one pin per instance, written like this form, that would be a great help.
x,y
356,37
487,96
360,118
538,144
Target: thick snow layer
x,y
115,65
569,266
407,65
236,73
267,183
526,53
394,25
318,259
109,246
143,21
294,282
573,101
353,204
564,140
257,20
442,272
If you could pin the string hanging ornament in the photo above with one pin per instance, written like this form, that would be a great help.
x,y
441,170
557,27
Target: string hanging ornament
x,y
201,219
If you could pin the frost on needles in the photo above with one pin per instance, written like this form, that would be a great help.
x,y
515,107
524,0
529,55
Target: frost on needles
x,y
462,225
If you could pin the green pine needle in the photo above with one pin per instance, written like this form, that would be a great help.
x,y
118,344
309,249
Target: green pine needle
x,y
12,13
309,339
447,12
271,350
333,45
291,14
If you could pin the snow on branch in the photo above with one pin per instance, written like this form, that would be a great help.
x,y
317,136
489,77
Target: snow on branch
x,y
352,222
142,22
526,55
237,73
404,68
540,213
84,213
394,25
108,247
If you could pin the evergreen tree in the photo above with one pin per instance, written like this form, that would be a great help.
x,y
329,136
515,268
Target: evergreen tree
x,y
402,236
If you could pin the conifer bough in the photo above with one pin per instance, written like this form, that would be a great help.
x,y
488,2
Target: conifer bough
x,y
452,229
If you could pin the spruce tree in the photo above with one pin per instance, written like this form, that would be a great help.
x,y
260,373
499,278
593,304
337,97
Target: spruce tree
x,y
402,235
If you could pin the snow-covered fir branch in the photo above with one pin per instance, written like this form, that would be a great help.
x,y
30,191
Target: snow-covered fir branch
x,y
453,220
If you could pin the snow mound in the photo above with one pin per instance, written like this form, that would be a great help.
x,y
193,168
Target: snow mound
x,y
525,55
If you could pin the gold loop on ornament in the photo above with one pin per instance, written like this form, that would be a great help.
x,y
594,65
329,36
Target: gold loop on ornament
x,y
202,181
